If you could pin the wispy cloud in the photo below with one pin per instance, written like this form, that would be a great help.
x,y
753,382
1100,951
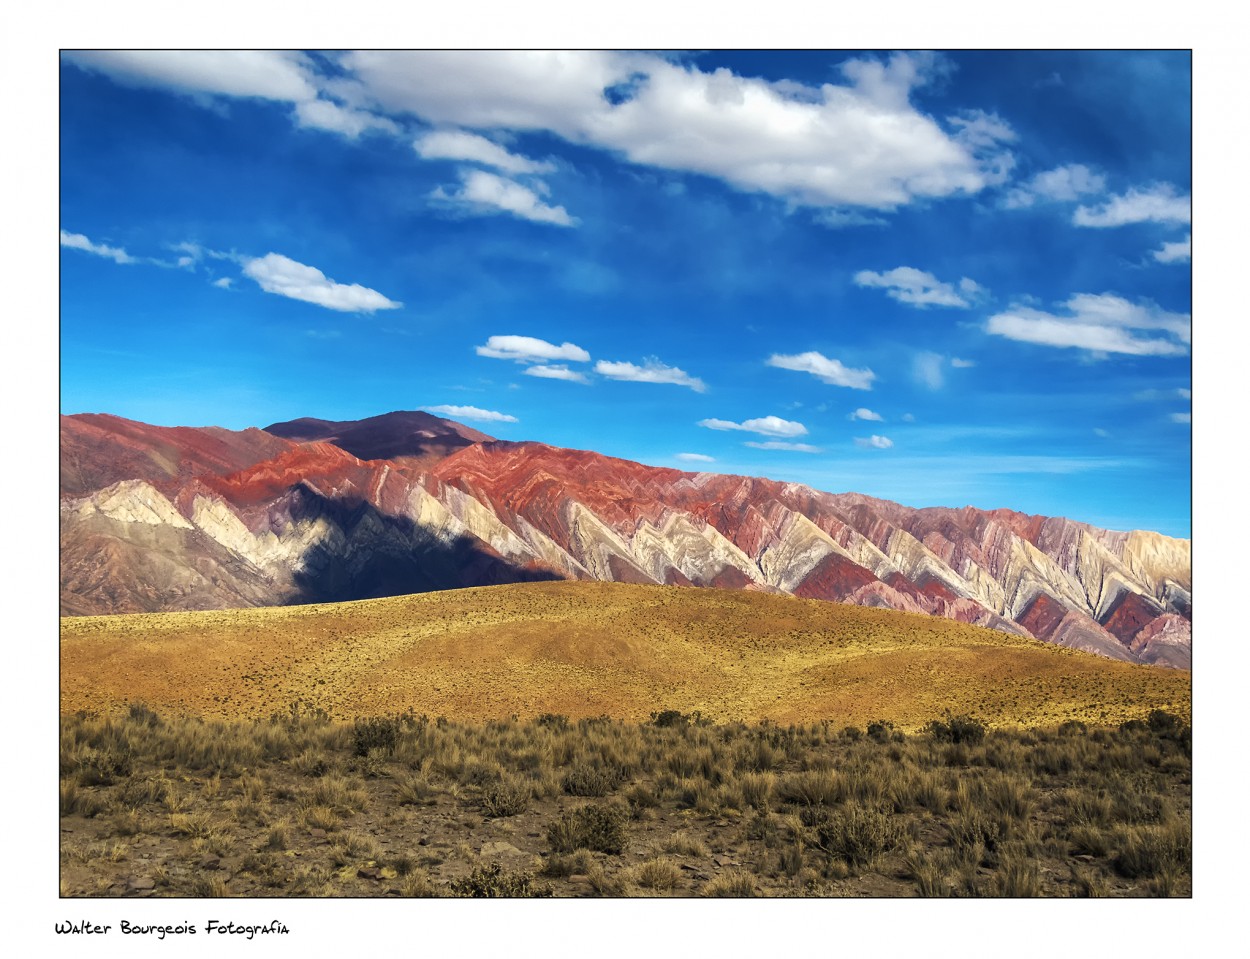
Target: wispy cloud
x,y
279,274
1178,252
1181,417
470,147
1065,183
1158,203
825,369
486,193
76,241
530,349
1099,323
560,372
652,371
471,413
864,414
918,288
874,442
695,458
764,425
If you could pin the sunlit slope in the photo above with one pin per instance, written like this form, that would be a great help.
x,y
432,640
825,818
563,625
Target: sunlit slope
x,y
590,649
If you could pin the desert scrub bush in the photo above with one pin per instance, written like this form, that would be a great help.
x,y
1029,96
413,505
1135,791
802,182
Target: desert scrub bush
x,y
508,796
1017,877
196,825
415,791
559,866
598,827
668,718
318,817
417,885
658,874
313,763
375,732
857,835
209,887
683,844
811,788
340,793
928,872
1143,852
76,800
587,779
753,790
491,882
732,884
957,729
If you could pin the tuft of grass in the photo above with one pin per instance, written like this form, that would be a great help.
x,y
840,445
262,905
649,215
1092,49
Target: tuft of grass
x,y
731,884
658,874
491,882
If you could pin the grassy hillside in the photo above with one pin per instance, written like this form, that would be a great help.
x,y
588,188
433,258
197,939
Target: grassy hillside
x,y
590,649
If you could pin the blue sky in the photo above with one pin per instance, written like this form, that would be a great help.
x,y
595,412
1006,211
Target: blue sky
x,y
941,278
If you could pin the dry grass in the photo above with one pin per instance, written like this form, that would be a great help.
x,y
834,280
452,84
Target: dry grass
x,y
478,809
584,650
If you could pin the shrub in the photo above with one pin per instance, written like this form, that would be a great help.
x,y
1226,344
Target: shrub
x,y
507,797
857,834
375,732
733,884
586,779
881,731
670,717
491,882
658,874
600,828
958,729
1163,723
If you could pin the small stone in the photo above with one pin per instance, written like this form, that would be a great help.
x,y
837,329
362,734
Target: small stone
x,y
317,833
368,873
210,863
423,841
141,882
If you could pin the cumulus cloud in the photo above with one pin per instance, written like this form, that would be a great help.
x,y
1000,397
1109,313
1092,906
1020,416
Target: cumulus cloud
x,y
782,445
1065,183
487,193
1099,323
1178,252
530,349
462,145
874,442
805,144
1158,203
652,371
1181,417
865,414
76,241
560,372
223,282
471,413
269,74
282,275
909,285
695,458
764,425
825,369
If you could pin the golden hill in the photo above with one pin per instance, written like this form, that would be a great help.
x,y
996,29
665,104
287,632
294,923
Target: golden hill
x,y
590,649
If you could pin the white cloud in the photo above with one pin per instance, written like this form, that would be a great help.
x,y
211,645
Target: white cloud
x,y
959,364
1181,417
224,282
865,414
326,115
909,418
270,74
1158,203
780,445
281,275
1100,323
827,370
695,458
1184,393
1178,252
652,371
560,372
486,193
858,143
874,442
76,241
530,349
472,413
764,425
461,145
909,285
1065,183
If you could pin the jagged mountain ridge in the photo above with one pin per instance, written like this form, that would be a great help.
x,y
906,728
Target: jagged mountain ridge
x,y
315,522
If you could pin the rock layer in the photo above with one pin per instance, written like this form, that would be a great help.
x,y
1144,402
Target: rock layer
x,y
233,519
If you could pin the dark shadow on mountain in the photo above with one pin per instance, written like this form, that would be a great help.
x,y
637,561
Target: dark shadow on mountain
x,y
383,555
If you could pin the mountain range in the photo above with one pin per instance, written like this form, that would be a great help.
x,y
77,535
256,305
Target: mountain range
x,y
157,519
